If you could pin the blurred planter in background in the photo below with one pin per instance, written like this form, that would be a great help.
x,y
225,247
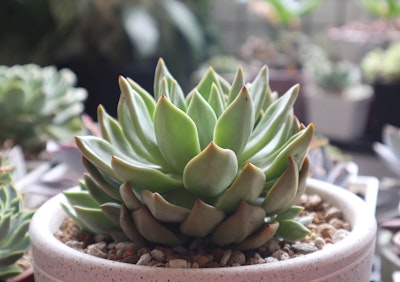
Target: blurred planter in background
x,y
381,68
336,101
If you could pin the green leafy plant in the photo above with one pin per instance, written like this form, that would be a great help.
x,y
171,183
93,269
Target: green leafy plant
x,y
14,224
382,64
286,12
38,104
225,163
334,76
386,9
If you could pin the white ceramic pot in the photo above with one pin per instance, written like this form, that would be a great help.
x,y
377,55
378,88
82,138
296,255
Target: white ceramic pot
x,y
340,117
348,260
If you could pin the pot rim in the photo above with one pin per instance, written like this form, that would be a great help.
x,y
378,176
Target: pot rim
x,y
354,208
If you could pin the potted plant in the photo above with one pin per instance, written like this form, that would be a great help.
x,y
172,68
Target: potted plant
x,y
336,101
38,104
14,224
224,165
381,69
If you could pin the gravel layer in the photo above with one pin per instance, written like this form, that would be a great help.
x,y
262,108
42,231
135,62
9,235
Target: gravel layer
x,y
327,228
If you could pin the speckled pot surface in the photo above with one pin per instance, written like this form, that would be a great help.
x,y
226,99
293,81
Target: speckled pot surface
x,y
349,260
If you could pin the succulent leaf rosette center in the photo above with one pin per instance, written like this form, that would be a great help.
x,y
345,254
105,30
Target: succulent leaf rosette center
x,y
226,162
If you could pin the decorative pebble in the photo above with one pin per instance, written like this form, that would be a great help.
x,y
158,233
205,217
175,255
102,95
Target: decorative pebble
x,y
144,259
97,250
340,235
75,244
157,255
178,263
327,230
319,243
237,258
226,257
270,259
304,248
332,212
202,260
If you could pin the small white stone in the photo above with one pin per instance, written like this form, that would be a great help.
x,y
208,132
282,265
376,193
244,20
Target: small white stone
x,y
97,250
157,255
178,263
340,235
144,259
319,243
225,258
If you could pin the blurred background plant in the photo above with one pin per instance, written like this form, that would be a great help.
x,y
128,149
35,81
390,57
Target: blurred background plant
x,y
282,18
333,76
38,104
381,68
382,64
99,39
385,9
328,72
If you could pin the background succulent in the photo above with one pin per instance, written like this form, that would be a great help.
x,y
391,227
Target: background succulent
x,y
14,224
225,163
38,104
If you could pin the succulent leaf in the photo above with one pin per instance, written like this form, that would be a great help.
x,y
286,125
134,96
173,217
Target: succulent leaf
x,y
247,187
216,100
112,132
172,89
290,213
280,197
195,225
237,85
270,123
163,210
234,126
259,238
99,184
206,83
112,212
204,117
176,134
146,96
248,217
94,219
78,198
129,130
211,171
142,177
292,230
140,118
152,229
128,197
259,91
128,226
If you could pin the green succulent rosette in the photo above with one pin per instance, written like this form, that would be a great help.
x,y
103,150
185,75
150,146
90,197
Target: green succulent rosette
x,y
38,104
226,163
14,225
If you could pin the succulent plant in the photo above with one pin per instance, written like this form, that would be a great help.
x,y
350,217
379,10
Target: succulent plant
x,y
14,224
382,64
334,77
38,104
225,163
